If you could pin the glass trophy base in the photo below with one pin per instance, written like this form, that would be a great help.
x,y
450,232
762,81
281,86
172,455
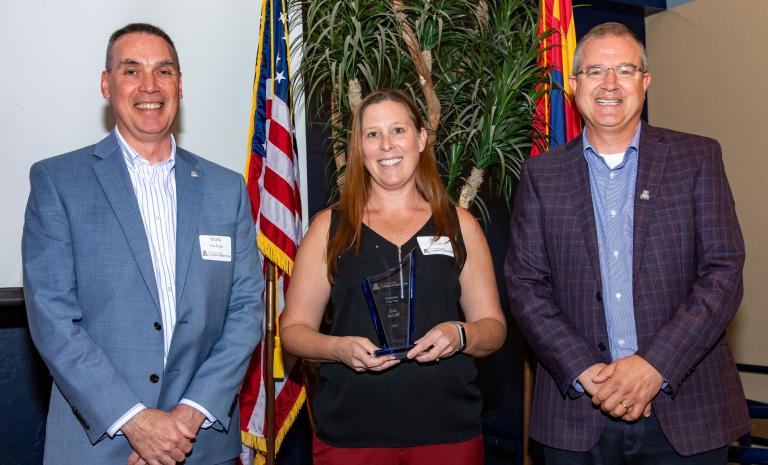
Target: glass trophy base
x,y
399,353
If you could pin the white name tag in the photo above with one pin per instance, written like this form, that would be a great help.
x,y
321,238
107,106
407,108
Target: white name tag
x,y
217,248
435,245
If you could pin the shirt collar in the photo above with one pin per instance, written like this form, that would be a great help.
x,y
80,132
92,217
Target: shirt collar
x,y
633,148
132,156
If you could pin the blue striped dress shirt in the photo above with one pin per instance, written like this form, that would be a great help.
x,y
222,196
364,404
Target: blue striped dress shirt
x,y
155,188
613,203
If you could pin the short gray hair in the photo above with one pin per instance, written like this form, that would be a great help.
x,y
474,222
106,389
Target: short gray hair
x,y
603,30
143,28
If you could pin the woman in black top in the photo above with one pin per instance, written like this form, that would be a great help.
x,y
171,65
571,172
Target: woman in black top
x,y
393,203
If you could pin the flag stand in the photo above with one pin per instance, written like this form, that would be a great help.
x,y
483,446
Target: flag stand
x,y
269,349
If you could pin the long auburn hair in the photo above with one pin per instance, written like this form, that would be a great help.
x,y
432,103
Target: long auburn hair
x,y
357,187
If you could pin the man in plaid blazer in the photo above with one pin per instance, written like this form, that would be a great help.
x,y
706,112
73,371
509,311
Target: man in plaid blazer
x,y
624,269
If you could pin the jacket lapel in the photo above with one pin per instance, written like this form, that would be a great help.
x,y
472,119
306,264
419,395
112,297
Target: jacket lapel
x,y
650,170
582,200
112,174
189,202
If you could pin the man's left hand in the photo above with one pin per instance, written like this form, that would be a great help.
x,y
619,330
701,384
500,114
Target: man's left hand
x,y
627,387
191,417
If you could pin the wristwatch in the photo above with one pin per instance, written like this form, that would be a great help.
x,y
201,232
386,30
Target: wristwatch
x,y
462,336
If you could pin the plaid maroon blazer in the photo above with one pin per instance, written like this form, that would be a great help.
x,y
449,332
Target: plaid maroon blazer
x,y
687,285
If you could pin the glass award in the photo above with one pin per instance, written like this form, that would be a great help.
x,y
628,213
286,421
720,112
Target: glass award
x,y
390,297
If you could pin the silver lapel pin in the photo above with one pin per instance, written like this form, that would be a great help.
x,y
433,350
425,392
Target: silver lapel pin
x,y
194,175
645,195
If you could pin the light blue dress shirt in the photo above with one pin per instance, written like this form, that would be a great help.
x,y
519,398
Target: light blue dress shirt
x,y
613,203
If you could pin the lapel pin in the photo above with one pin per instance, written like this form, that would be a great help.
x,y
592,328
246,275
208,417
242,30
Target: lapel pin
x,y
194,175
645,195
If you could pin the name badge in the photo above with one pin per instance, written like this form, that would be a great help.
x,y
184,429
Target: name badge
x,y
430,245
216,248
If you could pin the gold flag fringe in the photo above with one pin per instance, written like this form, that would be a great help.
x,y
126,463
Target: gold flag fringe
x,y
259,444
274,253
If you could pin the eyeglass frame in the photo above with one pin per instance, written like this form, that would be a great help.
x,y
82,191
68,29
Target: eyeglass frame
x,y
614,68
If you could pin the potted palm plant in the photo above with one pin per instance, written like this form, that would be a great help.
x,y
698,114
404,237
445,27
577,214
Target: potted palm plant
x,y
470,64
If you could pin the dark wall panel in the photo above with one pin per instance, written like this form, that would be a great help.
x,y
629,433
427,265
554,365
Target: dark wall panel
x,y
25,386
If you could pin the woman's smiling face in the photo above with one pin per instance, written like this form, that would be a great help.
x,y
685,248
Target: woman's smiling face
x,y
391,144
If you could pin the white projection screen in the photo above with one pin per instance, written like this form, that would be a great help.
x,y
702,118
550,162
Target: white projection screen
x,y
52,53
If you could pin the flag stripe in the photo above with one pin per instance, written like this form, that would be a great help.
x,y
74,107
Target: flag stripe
x,y
278,237
280,190
279,162
280,121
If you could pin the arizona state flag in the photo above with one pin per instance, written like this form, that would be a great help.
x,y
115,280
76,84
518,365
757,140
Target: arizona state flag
x,y
557,120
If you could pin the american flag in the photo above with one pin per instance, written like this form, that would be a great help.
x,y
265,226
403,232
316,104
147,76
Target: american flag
x,y
272,177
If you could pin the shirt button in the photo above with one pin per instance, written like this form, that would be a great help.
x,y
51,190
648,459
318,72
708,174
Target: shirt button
x,y
601,347
612,175
618,296
616,254
599,296
613,212
153,378
157,325
621,342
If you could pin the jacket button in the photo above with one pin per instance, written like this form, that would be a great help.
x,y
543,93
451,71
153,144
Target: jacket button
x,y
601,346
599,296
153,378
158,326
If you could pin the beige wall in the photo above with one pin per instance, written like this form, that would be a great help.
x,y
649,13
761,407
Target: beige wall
x,y
709,60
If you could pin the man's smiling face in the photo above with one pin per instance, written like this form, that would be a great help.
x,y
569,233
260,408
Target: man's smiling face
x,y
612,104
143,84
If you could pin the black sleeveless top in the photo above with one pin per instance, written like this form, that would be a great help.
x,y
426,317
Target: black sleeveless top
x,y
410,404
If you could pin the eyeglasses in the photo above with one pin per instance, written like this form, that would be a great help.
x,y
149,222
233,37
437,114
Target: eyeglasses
x,y
601,72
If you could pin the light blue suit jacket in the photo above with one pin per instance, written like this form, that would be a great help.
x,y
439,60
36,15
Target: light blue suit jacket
x,y
92,302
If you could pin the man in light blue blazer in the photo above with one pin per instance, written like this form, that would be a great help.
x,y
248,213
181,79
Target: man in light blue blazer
x,y
142,280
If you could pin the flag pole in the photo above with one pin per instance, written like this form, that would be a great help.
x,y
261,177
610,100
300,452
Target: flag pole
x,y
269,341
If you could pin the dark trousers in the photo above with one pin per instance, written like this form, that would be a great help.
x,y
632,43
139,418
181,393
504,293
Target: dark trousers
x,y
639,443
